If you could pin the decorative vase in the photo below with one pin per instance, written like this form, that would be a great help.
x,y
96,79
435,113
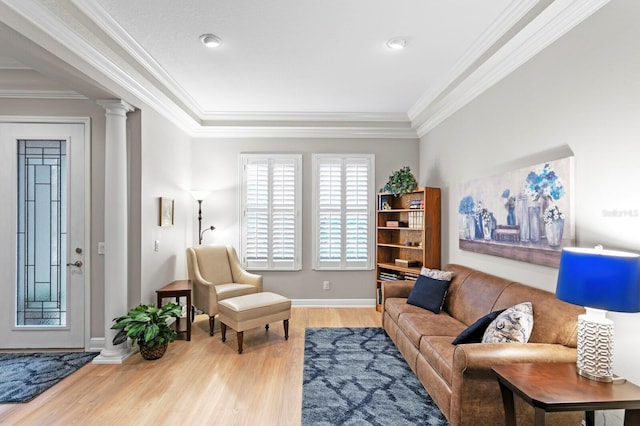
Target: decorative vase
x,y
554,232
511,216
478,225
154,352
523,217
469,226
534,223
486,229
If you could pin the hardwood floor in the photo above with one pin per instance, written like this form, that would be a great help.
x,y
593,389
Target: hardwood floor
x,y
202,382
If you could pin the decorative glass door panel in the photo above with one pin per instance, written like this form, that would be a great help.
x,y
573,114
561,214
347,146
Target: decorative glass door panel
x,y
41,287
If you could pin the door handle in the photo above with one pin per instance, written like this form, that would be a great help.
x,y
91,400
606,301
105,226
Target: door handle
x,y
77,263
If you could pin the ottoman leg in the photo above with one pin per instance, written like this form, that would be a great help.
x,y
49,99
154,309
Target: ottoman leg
x,y
240,337
223,330
286,329
266,327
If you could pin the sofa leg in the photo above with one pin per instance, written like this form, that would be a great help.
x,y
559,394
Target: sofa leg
x,y
212,319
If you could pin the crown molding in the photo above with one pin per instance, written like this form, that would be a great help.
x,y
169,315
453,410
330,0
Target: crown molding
x,y
506,21
58,31
555,21
303,132
41,94
282,116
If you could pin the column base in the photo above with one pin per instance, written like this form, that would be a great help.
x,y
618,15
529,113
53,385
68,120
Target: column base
x,y
113,356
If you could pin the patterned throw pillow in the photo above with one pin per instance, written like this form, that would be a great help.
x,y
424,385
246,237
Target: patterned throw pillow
x,y
513,325
437,274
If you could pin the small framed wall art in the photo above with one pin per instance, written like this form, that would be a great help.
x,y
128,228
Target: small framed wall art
x,y
166,211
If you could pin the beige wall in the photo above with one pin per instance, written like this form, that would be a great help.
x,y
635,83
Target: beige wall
x,y
580,95
215,166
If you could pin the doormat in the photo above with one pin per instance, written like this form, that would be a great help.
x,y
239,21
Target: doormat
x,y
23,376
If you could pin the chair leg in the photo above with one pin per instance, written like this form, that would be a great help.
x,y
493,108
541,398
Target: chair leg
x,y
240,337
212,319
286,329
223,330
266,327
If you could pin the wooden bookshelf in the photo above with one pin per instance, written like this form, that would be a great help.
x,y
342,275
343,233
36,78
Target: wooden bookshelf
x,y
408,227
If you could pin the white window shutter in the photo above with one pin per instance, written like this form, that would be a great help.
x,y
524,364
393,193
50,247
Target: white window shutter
x,y
343,196
270,205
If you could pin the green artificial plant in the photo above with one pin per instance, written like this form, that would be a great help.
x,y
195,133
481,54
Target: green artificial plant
x,y
400,182
147,325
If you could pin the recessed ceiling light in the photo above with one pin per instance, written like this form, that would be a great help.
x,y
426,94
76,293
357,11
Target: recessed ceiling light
x,y
397,43
210,40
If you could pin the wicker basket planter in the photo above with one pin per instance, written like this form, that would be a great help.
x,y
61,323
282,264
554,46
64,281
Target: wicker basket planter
x,y
154,352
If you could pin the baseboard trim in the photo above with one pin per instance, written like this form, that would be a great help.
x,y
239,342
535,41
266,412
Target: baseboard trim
x,y
334,303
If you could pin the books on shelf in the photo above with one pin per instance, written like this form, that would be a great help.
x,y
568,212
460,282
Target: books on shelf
x,y
416,219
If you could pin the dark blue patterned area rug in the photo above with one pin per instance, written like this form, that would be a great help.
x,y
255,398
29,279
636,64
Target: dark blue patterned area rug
x,y
356,376
23,376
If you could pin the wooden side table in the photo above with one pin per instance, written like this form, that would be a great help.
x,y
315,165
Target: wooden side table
x,y
178,289
557,387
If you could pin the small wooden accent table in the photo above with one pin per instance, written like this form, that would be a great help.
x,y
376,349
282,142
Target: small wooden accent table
x,y
557,387
178,289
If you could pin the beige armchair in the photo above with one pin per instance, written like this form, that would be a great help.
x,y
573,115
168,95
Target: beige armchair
x,y
216,275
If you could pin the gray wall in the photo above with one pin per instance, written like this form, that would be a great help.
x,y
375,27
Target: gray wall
x,y
215,166
580,95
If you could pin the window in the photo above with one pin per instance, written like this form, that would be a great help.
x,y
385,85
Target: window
x,y
343,214
270,208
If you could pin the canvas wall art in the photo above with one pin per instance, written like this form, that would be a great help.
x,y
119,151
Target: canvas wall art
x,y
524,214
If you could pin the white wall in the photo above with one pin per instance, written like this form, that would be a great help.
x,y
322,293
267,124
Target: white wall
x,y
215,166
580,95
165,171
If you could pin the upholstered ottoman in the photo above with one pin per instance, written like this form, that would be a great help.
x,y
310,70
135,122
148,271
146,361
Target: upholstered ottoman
x,y
252,310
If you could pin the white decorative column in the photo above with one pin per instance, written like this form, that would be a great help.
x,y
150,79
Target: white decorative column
x,y
115,223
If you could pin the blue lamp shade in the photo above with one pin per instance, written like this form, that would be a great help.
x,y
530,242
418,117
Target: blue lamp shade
x,y
601,279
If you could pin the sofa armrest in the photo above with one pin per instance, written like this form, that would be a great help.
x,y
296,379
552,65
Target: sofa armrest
x,y
473,383
484,355
400,288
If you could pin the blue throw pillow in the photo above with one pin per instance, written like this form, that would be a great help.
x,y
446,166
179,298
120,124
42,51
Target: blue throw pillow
x,y
428,293
474,333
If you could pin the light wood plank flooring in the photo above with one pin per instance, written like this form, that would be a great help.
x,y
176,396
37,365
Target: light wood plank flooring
x,y
202,382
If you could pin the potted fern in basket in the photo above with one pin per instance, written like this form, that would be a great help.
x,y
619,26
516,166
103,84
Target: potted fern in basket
x,y
148,327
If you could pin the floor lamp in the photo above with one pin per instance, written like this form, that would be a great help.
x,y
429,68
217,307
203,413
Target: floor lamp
x,y
200,197
601,280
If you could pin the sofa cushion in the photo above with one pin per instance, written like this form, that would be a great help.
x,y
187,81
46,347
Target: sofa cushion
x,y
428,293
438,352
396,306
426,323
513,325
475,332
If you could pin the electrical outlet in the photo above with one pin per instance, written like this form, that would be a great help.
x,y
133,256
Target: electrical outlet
x,y
326,285
156,245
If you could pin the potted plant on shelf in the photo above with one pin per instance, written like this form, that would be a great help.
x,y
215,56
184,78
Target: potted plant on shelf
x,y
400,182
147,326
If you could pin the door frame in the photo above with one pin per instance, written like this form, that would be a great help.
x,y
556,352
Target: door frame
x,y
86,121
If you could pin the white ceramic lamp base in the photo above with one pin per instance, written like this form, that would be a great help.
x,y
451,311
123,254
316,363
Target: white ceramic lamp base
x,y
595,346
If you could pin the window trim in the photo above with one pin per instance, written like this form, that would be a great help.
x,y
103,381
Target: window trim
x,y
342,266
297,262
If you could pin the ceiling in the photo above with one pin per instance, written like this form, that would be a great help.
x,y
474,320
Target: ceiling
x,y
283,64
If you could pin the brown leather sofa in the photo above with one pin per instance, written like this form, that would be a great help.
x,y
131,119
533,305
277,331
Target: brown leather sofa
x,y
459,377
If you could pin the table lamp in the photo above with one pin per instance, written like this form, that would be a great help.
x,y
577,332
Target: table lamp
x,y
600,280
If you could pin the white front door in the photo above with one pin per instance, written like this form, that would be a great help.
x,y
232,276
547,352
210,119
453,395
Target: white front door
x,y
43,258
